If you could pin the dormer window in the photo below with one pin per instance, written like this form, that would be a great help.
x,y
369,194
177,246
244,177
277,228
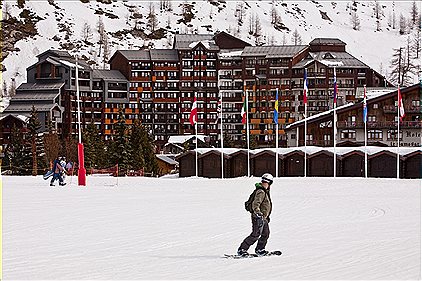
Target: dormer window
x,y
328,56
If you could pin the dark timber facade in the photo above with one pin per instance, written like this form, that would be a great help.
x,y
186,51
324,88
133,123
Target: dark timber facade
x,y
157,86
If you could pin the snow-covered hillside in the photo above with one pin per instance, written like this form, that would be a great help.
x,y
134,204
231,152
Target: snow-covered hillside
x,y
174,228
61,23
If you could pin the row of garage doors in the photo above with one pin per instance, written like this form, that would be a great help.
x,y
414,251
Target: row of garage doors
x,y
321,164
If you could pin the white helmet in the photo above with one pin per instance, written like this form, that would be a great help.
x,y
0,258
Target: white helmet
x,y
267,178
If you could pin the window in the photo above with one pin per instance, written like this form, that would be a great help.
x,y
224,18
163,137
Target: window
x,y
372,118
375,135
375,105
348,134
392,135
416,103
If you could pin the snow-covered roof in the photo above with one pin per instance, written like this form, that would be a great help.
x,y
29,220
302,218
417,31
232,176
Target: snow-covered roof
x,y
273,51
310,150
184,138
27,107
310,118
106,74
230,53
23,118
166,159
164,55
328,58
40,86
189,41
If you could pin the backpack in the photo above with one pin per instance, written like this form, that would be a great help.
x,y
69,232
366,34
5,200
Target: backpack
x,y
248,204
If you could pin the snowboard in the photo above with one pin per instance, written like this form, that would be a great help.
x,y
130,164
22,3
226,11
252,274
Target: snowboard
x,y
273,253
48,174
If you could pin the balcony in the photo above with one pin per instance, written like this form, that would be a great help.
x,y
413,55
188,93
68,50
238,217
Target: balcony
x,y
407,109
49,76
379,125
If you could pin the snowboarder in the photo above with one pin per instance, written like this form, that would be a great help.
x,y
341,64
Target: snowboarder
x,y
260,215
57,172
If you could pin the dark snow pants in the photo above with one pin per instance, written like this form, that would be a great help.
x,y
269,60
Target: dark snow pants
x,y
57,176
260,234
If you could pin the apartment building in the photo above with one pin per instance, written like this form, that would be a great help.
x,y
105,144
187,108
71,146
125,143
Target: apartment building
x,y
158,87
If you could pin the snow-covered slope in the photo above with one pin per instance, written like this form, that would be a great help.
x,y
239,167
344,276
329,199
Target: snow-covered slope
x,y
371,46
171,228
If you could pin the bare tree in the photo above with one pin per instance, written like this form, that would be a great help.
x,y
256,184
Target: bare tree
x,y
4,92
106,52
402,67
390,20
377,10
416,42
152,17
12,88
7,11
403,26
240,13
87,33
296,38
394,20
355,21
251,22
257,31
414,14
101,34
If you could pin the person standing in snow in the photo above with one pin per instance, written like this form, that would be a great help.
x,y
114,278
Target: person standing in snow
x,y
57,173
261,210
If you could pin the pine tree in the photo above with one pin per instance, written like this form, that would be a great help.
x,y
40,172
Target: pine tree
x,y
94,148
120,149
33,128
18,153
148,147
136,143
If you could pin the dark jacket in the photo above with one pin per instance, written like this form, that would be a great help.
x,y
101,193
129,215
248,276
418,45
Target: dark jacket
x,y
262,202
57,168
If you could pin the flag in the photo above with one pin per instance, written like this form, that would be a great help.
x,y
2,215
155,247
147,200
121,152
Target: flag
x,y
243,112
365,108
305,88
400,105
335,87
193,117
276,107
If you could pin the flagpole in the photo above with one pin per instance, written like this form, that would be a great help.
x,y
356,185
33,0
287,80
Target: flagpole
x,y
305,100
196,141
366,137
306,130
398,132
222,138
81,157
247,129
276,135
335,120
